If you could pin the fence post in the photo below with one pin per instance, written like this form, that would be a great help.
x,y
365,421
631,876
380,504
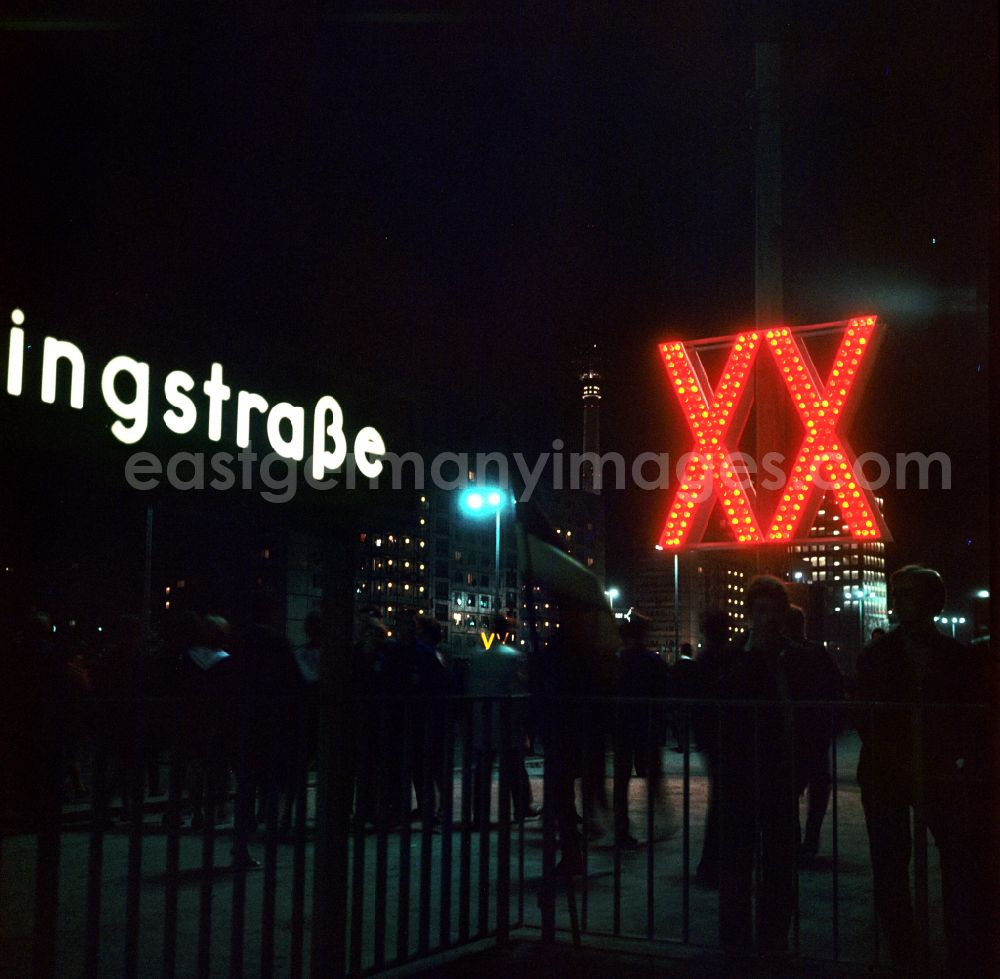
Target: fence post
x,y
333,786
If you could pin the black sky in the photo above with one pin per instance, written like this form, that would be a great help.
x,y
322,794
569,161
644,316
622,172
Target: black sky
x,y
451,204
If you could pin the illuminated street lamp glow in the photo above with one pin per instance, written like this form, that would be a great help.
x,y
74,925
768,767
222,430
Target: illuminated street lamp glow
x,y
482,503
983,593
17,317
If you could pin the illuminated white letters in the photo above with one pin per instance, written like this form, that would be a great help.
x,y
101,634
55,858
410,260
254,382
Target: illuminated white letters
x,y
15,361
247,401
56,350
285,422
294,447
135,411
368,442
324,461
182,420
217,393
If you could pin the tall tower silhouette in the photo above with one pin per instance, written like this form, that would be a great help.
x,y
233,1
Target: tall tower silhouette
x,y
590,380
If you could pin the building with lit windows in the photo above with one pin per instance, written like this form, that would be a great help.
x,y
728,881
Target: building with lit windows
x,y
443,562
847,583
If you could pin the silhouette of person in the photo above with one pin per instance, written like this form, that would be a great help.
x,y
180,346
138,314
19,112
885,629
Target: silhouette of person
x,y
758,804
499,672
116,682
209,678
371,662
308,658
266,679
429,679
639,728
577,662
931,756
814,676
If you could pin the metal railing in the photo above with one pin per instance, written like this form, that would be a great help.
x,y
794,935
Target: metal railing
x,y
435,834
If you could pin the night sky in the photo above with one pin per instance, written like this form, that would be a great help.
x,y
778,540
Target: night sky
x,y
449,206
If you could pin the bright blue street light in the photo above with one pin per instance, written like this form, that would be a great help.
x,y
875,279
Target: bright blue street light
x,y
484,503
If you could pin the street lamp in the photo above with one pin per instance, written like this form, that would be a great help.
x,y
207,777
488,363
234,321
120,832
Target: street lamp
x,y
612,594
484,502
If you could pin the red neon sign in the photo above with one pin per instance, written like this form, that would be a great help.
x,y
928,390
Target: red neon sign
x,y
716,418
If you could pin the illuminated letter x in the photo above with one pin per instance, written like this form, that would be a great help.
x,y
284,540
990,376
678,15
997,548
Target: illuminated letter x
x,y
824,455
713,417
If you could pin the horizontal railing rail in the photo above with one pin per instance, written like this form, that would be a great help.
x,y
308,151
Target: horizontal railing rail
x,y
441,838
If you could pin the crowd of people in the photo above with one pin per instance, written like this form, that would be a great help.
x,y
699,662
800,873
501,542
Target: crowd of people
x,y
221,706
235,710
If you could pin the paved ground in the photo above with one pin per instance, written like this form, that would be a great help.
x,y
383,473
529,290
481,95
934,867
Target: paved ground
x,y
595,897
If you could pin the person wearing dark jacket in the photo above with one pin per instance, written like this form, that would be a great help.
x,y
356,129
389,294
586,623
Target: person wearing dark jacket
x,y
758,802
266,676
714,662
429,679
639,729
817,678
925,745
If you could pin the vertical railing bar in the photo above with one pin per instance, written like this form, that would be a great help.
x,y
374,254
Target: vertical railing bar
x,y
835,829
522,732
403,898
46,927
383,790
173,857
503,839
207,872
757,814
920,842
485,808
616,912
447,816
95,863
278,759
426,828
793,825
244,816
875,915
136,792
306,723
651,788
465,856
686,831
365,771
552,768
720,789
588,808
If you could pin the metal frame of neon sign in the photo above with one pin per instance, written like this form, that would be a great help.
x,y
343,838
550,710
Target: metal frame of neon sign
x,y
716,417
